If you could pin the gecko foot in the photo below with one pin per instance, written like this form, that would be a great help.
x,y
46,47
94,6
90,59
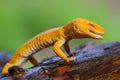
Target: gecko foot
x,y
71,59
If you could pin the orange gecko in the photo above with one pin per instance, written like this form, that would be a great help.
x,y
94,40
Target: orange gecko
x,y
78,28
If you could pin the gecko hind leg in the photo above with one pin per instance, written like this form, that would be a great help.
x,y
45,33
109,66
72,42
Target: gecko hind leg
x,y
33,60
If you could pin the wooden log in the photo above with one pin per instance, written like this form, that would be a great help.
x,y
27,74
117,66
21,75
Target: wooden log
x,y
4,57
93,62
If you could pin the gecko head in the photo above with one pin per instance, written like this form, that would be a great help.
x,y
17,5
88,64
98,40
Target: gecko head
x,y
87,29
6,68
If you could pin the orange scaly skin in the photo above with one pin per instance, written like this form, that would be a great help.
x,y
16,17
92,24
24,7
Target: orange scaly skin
x,y
78,28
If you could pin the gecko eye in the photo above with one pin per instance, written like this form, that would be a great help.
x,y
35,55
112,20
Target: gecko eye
x,y
92,25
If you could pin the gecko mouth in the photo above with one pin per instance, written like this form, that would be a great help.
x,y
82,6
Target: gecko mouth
x,y
96,35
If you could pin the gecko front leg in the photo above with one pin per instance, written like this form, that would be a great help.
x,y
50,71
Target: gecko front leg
x,y
66,47
59,52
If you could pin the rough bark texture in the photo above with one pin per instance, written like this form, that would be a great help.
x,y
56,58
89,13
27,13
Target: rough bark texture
x,y
93,62
4,57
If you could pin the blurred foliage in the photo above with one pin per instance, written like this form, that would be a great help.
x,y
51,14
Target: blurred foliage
x,y
20,20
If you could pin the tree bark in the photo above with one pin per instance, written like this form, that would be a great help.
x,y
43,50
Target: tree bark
x,y
93,62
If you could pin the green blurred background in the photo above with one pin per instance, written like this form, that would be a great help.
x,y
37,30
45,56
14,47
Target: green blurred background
x,y
20,20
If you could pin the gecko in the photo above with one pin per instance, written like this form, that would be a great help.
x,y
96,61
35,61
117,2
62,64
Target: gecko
x,y
58,37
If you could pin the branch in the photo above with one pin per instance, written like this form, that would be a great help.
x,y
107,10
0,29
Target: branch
x,y
93,62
